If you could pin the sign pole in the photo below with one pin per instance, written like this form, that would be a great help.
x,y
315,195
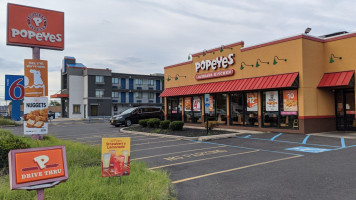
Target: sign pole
x,y
16,113
40,194
36,56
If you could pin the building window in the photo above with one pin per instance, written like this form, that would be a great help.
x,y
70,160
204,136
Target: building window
x,y
138,95
99,79
138,81
151,95
115,80
115,94
76,109
151,82
99,93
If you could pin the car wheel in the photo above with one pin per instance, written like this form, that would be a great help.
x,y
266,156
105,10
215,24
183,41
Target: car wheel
x,y
128,122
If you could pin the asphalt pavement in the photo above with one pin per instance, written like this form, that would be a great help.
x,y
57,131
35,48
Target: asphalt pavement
x,y
248,166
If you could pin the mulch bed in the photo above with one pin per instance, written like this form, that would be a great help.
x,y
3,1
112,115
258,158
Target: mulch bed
x,y
187,132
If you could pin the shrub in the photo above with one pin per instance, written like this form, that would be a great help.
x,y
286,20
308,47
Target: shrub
x,y
165,124
143,122
211,125
176,125
153,123
8,142
4,121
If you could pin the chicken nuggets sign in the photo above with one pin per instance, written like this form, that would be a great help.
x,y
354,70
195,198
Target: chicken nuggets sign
x,y
37,166
35,27
35,115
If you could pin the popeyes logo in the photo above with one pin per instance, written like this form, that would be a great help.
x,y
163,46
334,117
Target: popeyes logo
x,y
28,26
37,165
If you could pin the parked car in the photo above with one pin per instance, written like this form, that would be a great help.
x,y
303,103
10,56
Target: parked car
x,y
133,115
51,115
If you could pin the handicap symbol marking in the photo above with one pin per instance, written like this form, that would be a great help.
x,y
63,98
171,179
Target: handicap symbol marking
x,y
308,149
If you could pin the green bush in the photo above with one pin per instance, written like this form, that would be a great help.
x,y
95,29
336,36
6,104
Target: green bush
x,y
8,142
4,121
165,124
143,122
176,125
153,123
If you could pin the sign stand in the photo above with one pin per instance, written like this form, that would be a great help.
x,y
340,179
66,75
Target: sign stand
x,y
15,114
36,56
207,105
40,194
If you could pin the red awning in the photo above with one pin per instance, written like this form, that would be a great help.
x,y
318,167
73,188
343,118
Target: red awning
x,y
336,79
59,96
258,83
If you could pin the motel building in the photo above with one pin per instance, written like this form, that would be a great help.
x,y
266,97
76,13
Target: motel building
x,y
300,84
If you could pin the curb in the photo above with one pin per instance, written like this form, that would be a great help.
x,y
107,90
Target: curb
x,y
201,138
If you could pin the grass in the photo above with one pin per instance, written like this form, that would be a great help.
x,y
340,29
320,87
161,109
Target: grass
x,y
85,181
4,122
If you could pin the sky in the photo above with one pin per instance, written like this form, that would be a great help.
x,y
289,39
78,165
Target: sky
x,y
142,36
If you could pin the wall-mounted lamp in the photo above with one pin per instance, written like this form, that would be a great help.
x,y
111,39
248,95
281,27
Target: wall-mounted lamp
x,y
169,78
204,52
332,56
257,64
190,56
242,67
275,61
177,76
222,48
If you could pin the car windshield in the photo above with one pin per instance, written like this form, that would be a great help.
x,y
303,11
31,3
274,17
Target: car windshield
x,y
128,111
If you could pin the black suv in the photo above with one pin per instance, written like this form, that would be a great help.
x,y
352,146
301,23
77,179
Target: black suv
x,y
133,115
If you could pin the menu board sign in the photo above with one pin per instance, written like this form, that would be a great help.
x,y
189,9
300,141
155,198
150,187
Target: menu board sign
x,y
252,101
272,101
290,100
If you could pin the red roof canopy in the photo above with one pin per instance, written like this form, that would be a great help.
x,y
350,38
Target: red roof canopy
x,y
336,79
258,83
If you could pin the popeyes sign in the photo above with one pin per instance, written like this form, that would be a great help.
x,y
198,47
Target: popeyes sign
x,y
219,62
35,27
37,166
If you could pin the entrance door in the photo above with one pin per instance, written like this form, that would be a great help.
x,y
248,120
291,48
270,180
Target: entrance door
x,y
345,110
93,110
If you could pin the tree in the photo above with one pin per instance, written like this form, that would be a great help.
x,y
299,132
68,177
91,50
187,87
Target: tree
x,y
54,103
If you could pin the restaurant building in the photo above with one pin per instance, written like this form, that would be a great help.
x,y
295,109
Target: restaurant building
x,y
300,84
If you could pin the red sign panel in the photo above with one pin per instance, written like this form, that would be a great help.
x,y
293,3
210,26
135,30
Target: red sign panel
x,y
29,26
217,74
37,166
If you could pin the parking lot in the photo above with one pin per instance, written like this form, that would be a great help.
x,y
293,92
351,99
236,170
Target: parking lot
x,y
249,166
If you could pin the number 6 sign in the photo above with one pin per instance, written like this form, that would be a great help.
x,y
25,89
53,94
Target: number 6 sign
x,y
14,87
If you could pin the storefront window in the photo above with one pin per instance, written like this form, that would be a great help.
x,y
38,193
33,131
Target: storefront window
x,y
217,109
237,109
192,109
188,113
289,109
251,114
197,116
270,109
174,109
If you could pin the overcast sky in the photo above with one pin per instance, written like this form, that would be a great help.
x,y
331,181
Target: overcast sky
x,y
139,36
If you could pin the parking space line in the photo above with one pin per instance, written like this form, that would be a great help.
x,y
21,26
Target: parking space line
x,y
234,169
181,163
305,139
154,142
148,139
166,154
343,143
163,147
276,136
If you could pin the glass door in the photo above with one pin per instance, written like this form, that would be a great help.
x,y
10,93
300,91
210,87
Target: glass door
x,y
345,110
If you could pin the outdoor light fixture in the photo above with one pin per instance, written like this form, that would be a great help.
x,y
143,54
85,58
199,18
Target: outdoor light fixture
x,y
275,61
257,64
177,75
222,48
242,67
189,56
169,78
204,52
332,56
307,30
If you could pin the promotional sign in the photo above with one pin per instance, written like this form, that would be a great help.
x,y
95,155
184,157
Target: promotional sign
x,y
36,78
218,74
196,103
36,166
14,87
187,104
115,158
34,27
211,106
35,115
252,101
272,101
207,102
290,100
